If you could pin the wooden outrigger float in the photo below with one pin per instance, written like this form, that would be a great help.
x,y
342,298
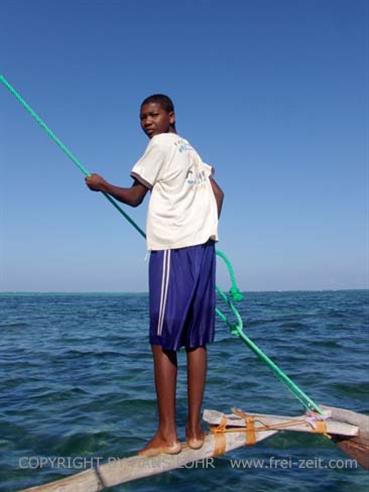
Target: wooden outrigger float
x,y
348,429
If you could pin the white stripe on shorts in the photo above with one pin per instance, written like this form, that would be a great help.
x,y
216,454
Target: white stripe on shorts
x,y
164,289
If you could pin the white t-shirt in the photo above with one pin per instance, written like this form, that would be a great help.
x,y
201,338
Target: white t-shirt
x,y
182,210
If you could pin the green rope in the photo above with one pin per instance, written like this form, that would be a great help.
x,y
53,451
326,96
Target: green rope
x,y
66,151
234,293
237,329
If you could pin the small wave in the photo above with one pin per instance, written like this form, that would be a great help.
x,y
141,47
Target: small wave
x,y
328,344
258,322
354,389
14,325
91,353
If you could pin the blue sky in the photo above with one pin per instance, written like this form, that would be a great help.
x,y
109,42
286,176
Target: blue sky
x,y
273,93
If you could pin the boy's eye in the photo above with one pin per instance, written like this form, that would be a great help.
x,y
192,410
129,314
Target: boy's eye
x,y
144,116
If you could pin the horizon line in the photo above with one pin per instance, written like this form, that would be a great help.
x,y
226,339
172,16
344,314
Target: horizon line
x,y
146,292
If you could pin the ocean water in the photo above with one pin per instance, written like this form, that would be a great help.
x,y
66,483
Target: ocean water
x,y
76,383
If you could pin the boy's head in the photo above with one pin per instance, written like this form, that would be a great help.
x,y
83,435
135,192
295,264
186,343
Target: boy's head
x,y
157,115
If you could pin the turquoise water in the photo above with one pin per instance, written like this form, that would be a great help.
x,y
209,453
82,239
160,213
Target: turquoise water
x,y
76,382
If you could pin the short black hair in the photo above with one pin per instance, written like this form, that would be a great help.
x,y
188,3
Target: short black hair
x,y
165,102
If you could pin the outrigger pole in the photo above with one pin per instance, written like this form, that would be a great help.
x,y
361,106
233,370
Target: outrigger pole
x,y
227,432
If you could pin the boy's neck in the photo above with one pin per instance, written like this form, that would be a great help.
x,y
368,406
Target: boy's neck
x,y
171,130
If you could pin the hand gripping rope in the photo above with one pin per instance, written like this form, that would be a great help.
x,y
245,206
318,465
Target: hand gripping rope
x,y
234,295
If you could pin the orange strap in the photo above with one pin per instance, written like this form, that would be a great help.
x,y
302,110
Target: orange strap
x,y
250,430
320,427
219,437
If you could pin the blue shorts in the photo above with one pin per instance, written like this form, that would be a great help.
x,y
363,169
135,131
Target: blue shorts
x,y
182,296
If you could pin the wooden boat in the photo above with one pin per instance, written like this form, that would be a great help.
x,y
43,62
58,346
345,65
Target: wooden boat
x,y
355,446
350,430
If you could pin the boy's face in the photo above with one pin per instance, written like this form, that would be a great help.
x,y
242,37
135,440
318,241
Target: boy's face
x,y
155,120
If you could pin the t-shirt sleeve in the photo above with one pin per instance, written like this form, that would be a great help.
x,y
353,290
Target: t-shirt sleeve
x,y
209,170
149,169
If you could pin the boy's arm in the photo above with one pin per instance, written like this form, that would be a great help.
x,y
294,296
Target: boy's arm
x,y
218,193
130,196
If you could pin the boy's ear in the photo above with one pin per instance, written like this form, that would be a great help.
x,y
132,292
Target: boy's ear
x,y
172,118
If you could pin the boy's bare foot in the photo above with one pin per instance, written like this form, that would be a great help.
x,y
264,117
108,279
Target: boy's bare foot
x,y
195,437
158,445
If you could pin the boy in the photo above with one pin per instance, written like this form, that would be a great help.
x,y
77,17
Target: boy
x,y
182,221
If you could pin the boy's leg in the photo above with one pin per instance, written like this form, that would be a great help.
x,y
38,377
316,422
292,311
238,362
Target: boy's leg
x,y
165,370
196,376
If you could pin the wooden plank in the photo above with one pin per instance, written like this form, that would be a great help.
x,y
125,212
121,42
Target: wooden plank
x,y
333,426
135,467
343,424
